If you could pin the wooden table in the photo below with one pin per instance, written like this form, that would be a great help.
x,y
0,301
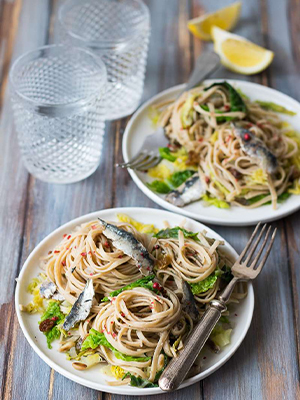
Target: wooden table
x,y
266,366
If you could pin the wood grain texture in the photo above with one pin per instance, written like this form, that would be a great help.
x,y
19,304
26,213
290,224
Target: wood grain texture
x,y
266,366
10,11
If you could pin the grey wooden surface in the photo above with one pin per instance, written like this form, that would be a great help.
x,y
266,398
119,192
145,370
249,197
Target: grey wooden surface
x,y
266,366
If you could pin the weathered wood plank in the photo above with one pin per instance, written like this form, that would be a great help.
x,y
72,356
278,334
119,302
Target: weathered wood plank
x,y
65,389
192,393
14,183
164,69
64,202
10,12
253,370
284,76
223,383
264,366
286,79
169,63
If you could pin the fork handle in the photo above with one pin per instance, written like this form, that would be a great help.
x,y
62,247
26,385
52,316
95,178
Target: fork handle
x,y
205,65
179,366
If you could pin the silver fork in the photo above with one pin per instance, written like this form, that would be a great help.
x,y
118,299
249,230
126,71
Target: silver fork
x,y
148,155
243,270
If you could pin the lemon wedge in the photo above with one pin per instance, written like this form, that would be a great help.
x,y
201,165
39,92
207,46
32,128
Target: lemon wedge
x,y
239,54
225,18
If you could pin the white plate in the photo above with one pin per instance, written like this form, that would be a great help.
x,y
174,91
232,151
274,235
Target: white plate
x,y
140,126
93,378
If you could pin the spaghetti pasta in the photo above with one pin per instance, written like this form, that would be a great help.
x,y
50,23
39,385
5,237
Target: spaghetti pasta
x,y
87,254
134,323
204,121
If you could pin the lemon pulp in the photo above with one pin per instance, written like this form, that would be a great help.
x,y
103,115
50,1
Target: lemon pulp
x,y
225,18
243,54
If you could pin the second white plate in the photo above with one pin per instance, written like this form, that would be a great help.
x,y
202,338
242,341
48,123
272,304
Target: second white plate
x,y
140,126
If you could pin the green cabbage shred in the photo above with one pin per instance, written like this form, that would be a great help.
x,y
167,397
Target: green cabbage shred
x,y
269,105
137,381
221,333
95,339
53,310
213,201
205,285
173,233
159,187
235,99
145,282
187,111
179,177
165,153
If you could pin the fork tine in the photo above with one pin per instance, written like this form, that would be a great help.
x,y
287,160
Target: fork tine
x,y
157,161
249,243
261,249
124,165
127,165
138,162
151,165
139,154
253,248
143,163
263,261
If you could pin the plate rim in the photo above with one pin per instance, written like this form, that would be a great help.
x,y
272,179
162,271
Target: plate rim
x,y
170,207
126,390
